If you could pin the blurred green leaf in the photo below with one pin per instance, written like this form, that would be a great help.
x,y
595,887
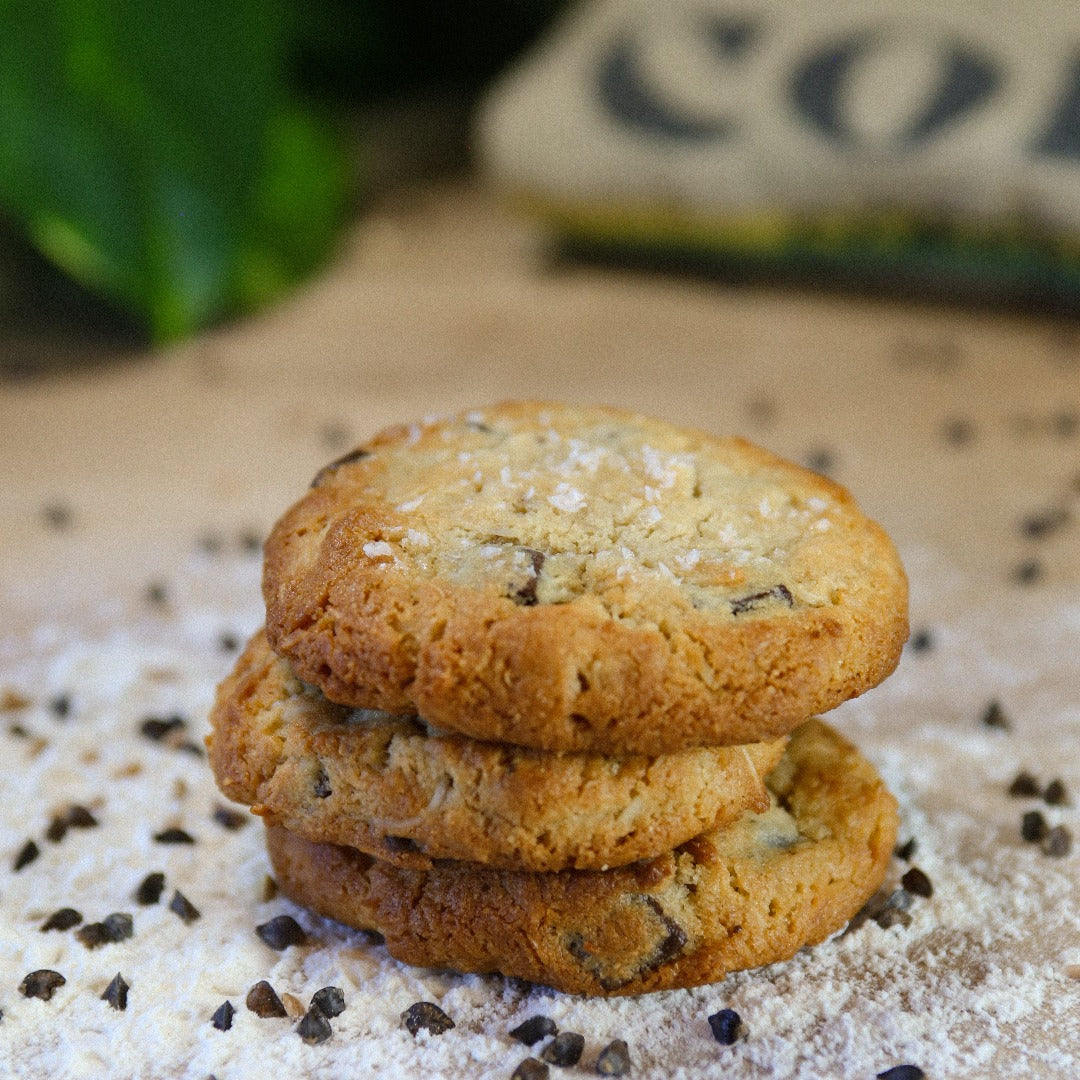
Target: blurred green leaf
x,y
297,207
151,151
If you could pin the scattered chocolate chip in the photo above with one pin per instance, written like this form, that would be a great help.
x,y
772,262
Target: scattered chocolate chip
x,y
994,717
531,1069
228,642
614,1059
27,854
281,932
41,984
116,992
534,1029
211,544
921,641
1038,525
1024,786
74,817
321,786
915,881
958,431
120,925
346,459
902,1072
78,817
1056,794
57,515
180,905
192,748
1058,842
761,410
159,728
150,889
1028,572
907,849
334,435
223,1015
314,1027
894,910
113,928
60,706
727,1027
263,1001
250,542
173,836
426,1016
565,1049
56,830
157,596
63,919
821,460
1033,826
230,819
330,1001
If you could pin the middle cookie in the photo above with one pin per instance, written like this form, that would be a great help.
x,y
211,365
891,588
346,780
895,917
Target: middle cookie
x,y
408,793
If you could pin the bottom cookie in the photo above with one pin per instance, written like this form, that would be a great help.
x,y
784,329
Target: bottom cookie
x,y
749,894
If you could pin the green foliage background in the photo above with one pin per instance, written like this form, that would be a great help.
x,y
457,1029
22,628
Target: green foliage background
x,y
187,160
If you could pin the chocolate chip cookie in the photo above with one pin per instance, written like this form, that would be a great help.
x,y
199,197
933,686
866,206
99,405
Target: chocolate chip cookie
x,y
748,894
394,787
577,579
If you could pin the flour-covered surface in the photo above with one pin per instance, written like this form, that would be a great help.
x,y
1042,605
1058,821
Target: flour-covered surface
x,y
134,503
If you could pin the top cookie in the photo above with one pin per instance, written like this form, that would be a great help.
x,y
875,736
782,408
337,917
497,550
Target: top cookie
x,y
582,579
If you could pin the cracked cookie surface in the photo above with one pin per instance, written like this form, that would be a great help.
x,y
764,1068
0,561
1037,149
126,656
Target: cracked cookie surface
x,y
748,894
393,787
583,578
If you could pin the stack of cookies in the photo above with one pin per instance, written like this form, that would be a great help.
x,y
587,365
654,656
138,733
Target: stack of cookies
x,y
537,692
